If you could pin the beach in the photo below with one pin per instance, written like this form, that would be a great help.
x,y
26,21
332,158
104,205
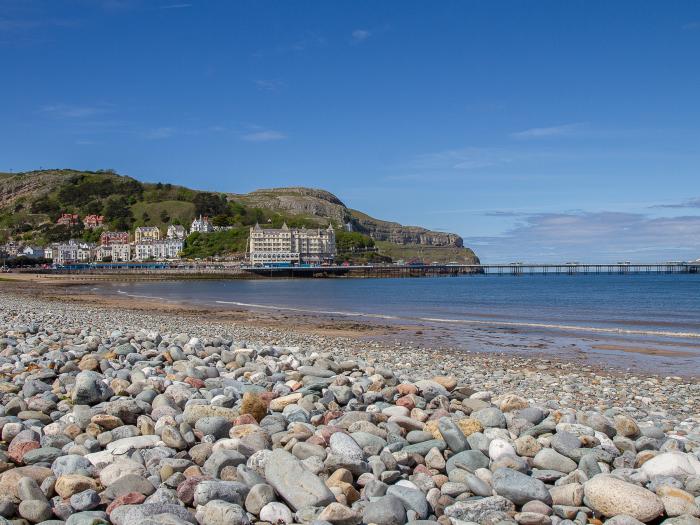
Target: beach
x,y
392,344
120,409
647,325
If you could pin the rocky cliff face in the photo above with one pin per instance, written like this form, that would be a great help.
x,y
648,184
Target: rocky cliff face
x,y
398,234
299,201
324,205
31,184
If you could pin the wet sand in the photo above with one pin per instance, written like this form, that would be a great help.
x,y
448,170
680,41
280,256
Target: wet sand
x,y
609,353
645,351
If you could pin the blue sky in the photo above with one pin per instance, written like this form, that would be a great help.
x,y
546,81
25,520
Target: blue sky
x,y
539,131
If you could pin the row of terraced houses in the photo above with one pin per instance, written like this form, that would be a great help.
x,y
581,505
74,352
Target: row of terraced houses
x,y
146,244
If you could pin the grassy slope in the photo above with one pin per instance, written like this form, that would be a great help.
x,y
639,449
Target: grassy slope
x,y
183,211
173,200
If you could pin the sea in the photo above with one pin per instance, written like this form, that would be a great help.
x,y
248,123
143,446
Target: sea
x,y
648,323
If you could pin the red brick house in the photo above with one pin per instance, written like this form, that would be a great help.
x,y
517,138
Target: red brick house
x,y
110,238
93,221
68,219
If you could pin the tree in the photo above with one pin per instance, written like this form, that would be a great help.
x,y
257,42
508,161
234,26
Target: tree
x,y
93,207
59,232
221,220
210,204
90,235
44,205
199,245
118,213
164,217
145,217
352,242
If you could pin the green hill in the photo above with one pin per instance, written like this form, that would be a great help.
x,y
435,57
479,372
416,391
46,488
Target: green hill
x,y
31,202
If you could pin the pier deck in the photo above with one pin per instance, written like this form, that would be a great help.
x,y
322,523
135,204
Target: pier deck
x,y
473,269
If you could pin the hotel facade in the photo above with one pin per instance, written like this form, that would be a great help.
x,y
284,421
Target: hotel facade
x,y
291,246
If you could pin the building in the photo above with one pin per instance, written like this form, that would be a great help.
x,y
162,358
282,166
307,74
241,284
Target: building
x,y
202,225
49,251
110,238
34,252
158,250
146,233
176,231
12,248
68,219
86,252
92,222
103,253
65,252
291,246
120,252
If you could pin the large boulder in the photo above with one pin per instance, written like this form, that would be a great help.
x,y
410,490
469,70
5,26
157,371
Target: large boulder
x,y
611,496
675,464
299,487
90,389
520,488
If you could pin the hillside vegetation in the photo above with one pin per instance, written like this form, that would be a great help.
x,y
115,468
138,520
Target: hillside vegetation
x,y
31,202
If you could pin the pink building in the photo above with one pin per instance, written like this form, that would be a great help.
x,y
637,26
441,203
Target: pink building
x,y
93,221
68,219
110,238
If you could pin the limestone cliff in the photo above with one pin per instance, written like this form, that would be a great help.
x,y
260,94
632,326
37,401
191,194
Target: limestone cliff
x,y
324,205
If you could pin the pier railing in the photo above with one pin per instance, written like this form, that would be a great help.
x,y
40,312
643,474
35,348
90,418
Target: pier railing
x,y
165,270
421,270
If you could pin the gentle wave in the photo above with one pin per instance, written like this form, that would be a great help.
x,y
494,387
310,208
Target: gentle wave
x,y
660,333
303,310
627,331
121,292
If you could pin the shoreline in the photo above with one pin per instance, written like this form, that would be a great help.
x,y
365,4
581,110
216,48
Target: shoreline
x,y
161,413
391,345
603,349
606,353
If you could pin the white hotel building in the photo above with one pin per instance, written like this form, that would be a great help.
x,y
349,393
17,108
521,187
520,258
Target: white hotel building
x,y
293,246
158,250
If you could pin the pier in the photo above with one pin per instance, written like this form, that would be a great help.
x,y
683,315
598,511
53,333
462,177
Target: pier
x,y
517,269
165,270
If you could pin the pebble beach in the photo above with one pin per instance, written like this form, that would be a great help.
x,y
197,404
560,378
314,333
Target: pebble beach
x,y
110,415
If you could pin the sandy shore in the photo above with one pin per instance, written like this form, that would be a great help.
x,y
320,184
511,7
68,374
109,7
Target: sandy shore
x,y
76,290
606,356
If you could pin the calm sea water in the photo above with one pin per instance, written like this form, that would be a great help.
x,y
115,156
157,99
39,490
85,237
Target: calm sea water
x,y
633,321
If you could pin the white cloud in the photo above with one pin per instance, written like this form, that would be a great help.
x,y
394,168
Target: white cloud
x,y
268,85
552,131
360,35
30,24
70,111
461,159
160,133
690,203
594,236
264,136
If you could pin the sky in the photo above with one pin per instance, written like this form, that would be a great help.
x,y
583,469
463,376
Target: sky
x,y
540,131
